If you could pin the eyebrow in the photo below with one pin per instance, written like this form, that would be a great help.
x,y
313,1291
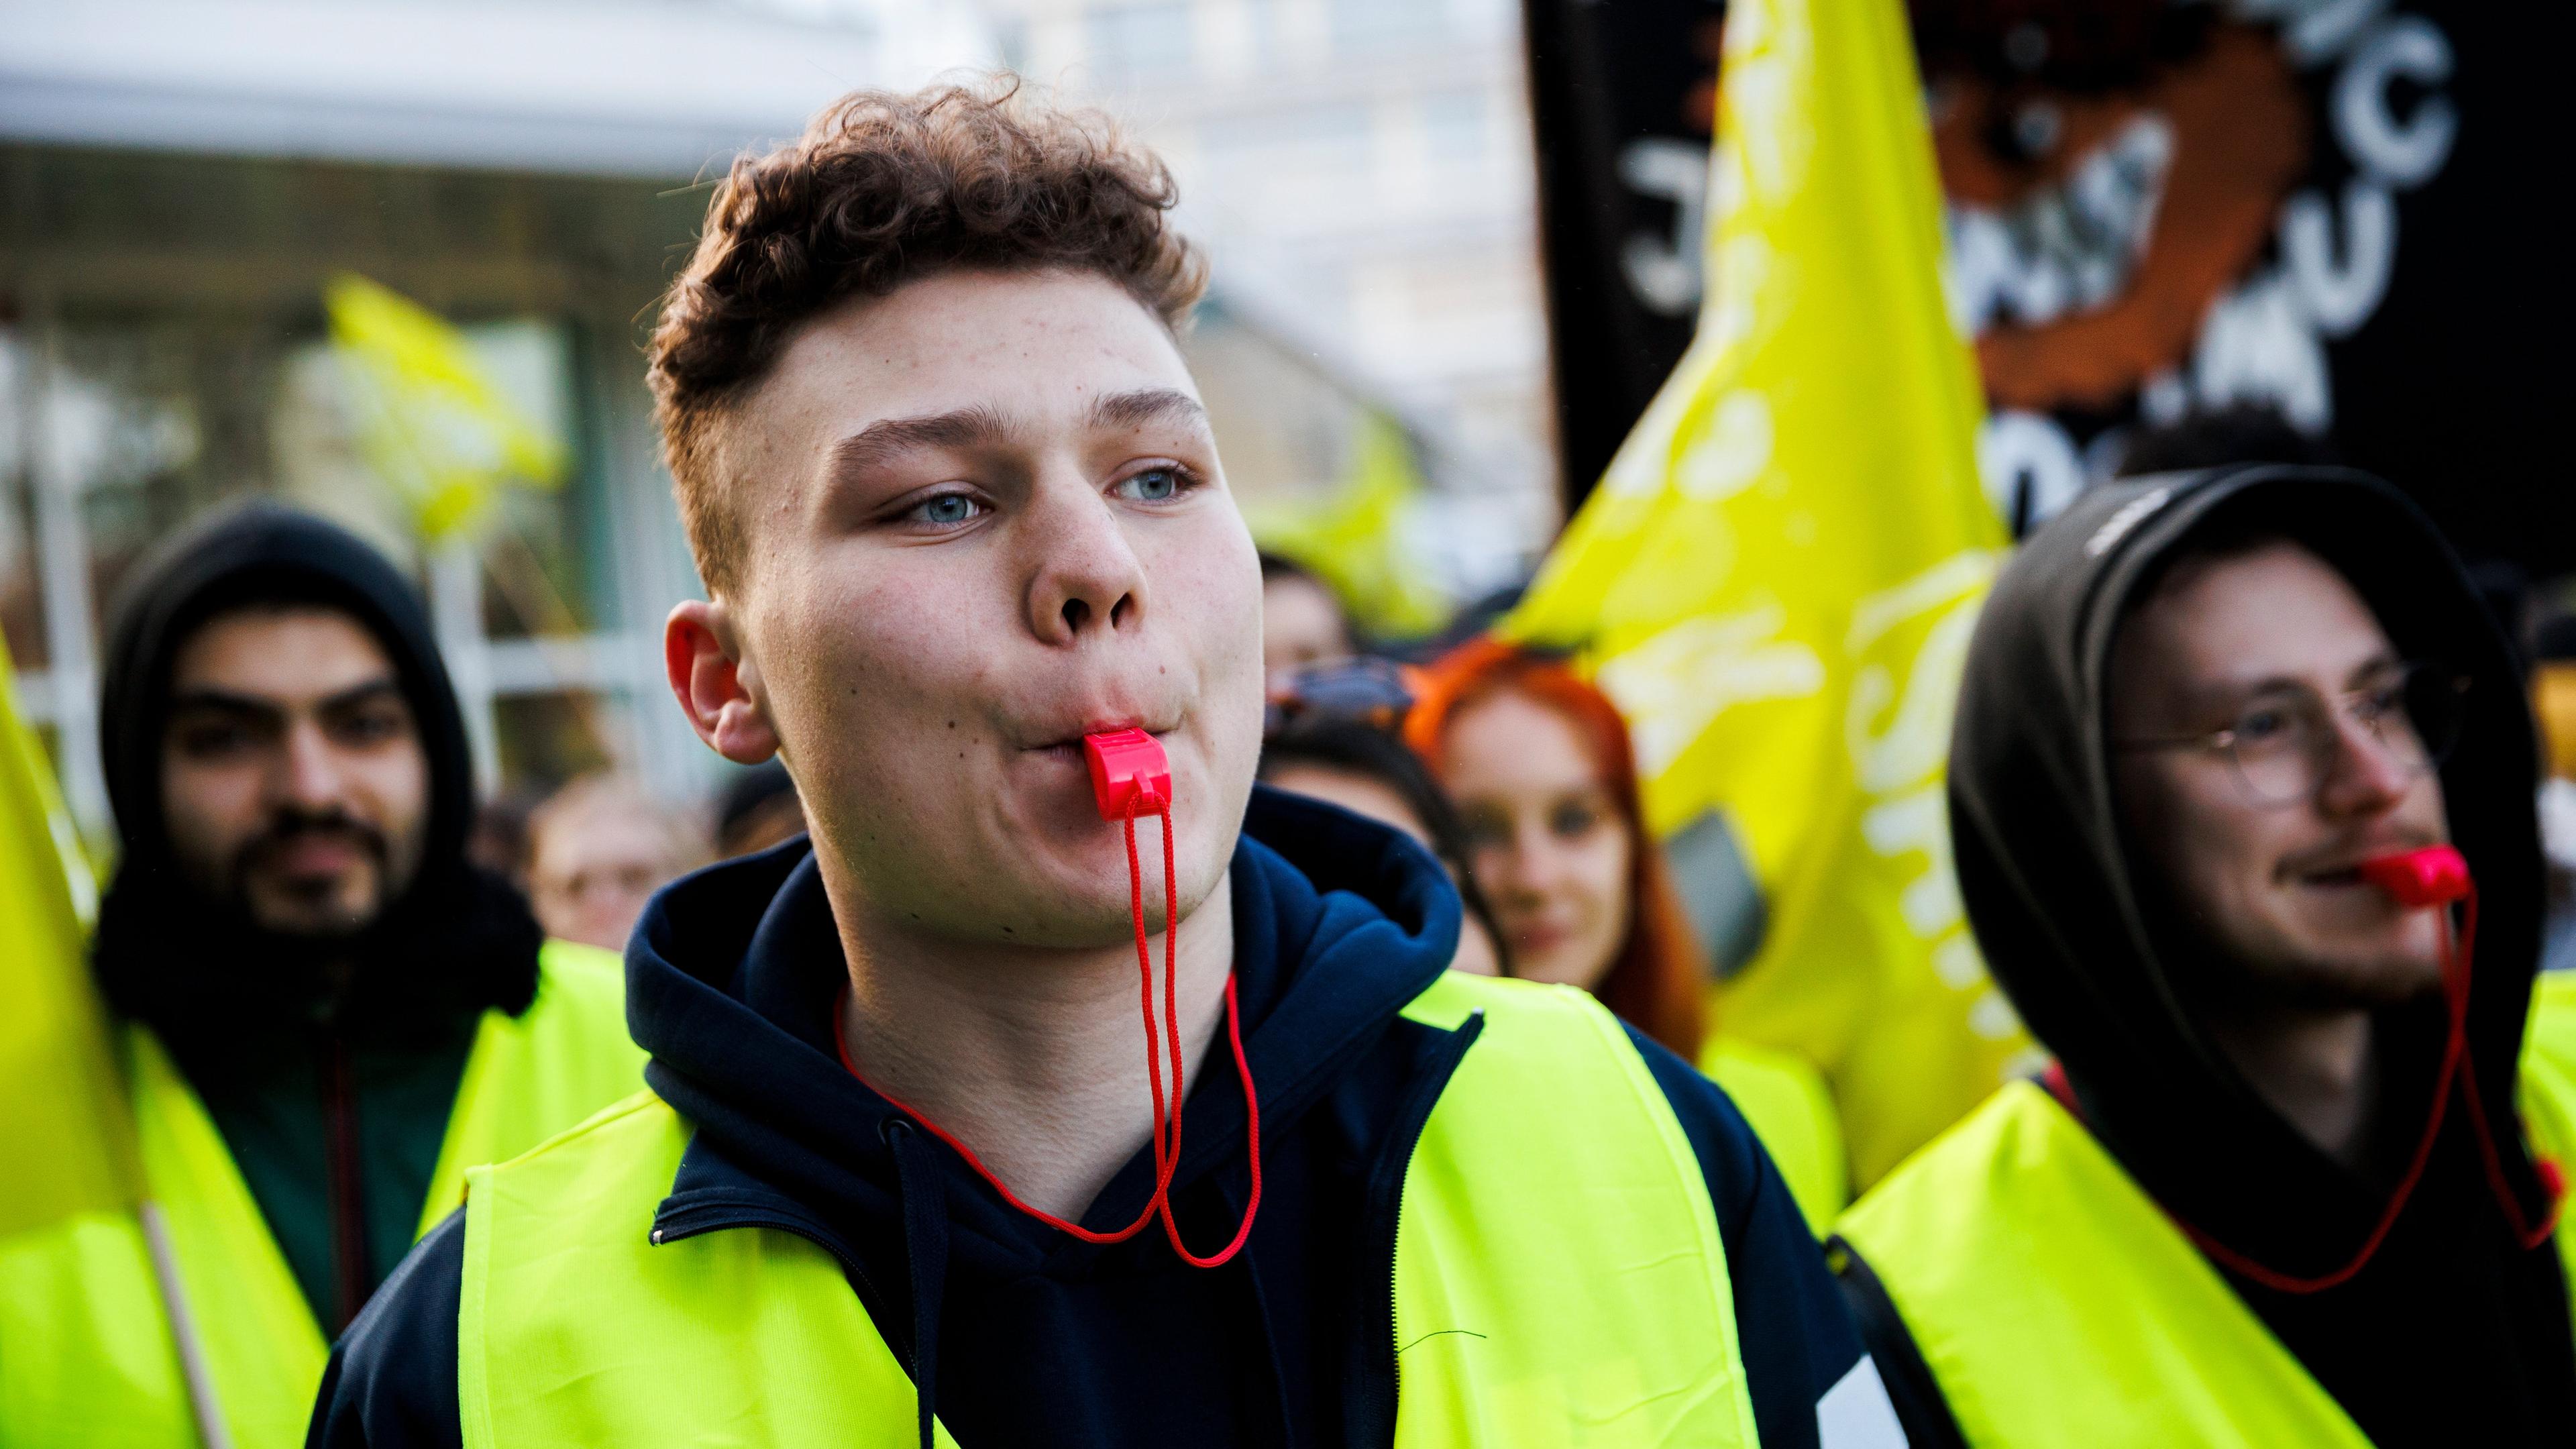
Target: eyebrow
x,y
2233,691
224,699
889,438
892,437
1146,405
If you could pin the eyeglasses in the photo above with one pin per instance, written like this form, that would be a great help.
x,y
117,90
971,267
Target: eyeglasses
x,y
1370,691
2285,741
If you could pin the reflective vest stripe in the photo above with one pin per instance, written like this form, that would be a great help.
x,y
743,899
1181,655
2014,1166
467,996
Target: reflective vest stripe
x,y
2055,1302
1558,1277
85,1353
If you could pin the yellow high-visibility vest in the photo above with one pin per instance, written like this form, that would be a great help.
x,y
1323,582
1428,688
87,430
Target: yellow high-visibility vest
x,y
86,1357
1559,1277
1792,1111
2055,1303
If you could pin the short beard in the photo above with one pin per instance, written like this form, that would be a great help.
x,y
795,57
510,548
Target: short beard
x,y
2329,986
282,832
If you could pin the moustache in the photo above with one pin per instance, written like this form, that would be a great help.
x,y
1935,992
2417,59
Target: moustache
x,y
291,827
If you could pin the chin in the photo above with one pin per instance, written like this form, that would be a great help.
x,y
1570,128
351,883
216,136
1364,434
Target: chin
x,y
2358,975
343,913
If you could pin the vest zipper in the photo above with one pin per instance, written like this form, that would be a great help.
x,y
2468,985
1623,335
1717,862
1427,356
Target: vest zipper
x,y
348,1188
1375,1375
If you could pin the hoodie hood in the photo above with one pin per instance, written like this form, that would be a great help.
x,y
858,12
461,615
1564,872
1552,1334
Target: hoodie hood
x,y
2080,938
2052,886
456,939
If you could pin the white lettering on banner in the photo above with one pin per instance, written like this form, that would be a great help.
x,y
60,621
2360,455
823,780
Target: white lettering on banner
x,y
1898,735
1728,320
1675,683
1957,963
1918,822
1730,453
2403,153
1766,57
2028,464
1917,737
1664,270
2067,249
1873,615
2340,296
2259,345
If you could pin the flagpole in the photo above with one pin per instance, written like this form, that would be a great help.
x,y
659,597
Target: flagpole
x,y
202,1401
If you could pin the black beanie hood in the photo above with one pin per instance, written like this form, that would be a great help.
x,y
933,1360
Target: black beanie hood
x,y
457,940
2082,941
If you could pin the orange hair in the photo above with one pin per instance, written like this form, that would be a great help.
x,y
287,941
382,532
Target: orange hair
x,y
1656,982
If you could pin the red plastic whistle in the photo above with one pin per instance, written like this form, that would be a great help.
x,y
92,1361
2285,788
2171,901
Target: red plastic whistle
x,y
1128,763
2433,876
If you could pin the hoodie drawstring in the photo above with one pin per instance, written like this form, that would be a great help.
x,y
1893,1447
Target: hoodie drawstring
x,y
2457,1065
924,1200
1167,1106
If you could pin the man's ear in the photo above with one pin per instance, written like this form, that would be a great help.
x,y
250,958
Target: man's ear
x,y
714,683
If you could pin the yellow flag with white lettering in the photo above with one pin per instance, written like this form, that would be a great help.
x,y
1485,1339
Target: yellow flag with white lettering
x,y
64,1131
1777,577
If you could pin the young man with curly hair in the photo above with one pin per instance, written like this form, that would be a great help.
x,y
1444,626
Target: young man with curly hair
x,y
907,1166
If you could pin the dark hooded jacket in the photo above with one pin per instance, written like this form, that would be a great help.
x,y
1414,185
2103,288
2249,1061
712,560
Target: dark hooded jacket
x,y
1034,1337
2451,1324
292,1043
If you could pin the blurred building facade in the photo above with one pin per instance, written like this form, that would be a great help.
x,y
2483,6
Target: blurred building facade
x,y
180,181
1360,170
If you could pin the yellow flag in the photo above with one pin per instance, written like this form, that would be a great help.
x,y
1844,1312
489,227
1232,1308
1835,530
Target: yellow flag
x,y
1777,577
1356,539
432,422
63,1128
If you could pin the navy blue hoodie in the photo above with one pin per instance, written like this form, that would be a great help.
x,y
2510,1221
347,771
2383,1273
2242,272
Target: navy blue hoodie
x,y
1037,1337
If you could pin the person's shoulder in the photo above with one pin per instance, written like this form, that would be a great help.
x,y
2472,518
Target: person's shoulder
x,y
1788,1104
1942,1192
571,968
391,1383
2552,1029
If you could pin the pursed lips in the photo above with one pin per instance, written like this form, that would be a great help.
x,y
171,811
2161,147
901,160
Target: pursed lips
x,y
1068,748
2341,867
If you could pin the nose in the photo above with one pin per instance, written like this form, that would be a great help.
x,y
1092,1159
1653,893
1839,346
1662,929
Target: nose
x,y
2364,775
1520,867
1085,580
308,776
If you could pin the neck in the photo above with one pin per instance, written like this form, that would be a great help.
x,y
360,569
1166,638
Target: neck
x,y
2313,1065
1033,1057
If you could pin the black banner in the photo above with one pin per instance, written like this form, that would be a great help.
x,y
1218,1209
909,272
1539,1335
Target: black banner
x,y
1621,94
2332,210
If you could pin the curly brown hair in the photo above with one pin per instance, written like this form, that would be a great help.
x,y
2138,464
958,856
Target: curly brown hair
x,y
881,190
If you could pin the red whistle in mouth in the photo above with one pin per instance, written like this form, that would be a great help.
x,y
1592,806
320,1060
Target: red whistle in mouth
x,y
1128,765
2433,876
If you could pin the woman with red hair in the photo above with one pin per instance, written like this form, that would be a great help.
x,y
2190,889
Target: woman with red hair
x,y
1539,764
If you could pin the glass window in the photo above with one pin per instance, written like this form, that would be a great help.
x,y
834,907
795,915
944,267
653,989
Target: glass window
x,y
1363,28
1131,43
1456,128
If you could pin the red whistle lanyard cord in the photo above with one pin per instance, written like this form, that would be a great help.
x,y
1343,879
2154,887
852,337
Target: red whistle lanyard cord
x,y
1167,1106
2455,1056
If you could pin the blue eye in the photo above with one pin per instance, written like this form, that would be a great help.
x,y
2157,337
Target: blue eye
x,y
947,510
1154,485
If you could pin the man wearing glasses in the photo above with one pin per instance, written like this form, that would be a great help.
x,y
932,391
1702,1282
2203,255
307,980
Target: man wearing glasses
x,y
2241,801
